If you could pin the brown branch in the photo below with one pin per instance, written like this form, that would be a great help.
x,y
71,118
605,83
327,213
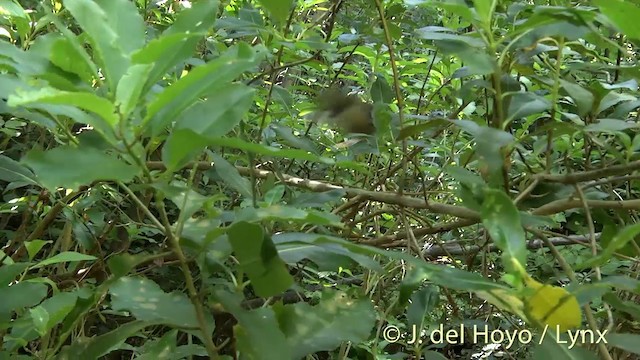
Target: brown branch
x,y
577,177
318,186
458,249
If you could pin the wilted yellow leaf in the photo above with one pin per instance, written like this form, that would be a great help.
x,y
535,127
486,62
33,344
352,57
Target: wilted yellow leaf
x,y
552,306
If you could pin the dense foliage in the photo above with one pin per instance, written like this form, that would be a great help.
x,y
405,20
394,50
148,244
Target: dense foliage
x,y
165,193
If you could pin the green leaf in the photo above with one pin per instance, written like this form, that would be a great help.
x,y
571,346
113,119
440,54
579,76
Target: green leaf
x,y
34,247
65,256
279,9
550,347
257,332
445,276
179,41
130,87
11,170
610,125
583,98
69,56
181,146
219,113
258,257
124,18
328,252
526,104
274,195
71,167
56,309
186,91
20,295
9,272
502,220
98,346
104,39
164,53
628,233
286,133
627,342
337,318
623,14
86,101
381,91
232,177
433,355
146,301
422,302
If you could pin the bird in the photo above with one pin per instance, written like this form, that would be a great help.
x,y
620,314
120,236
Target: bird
x,y
346,112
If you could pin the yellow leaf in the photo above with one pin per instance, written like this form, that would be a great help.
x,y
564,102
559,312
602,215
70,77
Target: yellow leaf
x,y
504,300
552,306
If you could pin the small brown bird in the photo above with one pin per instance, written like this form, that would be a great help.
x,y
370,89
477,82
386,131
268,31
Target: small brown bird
x,y
346,112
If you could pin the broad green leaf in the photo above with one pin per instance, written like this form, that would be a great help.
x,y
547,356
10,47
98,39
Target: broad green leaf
x,y
146,301
181,146
484,10
286,133
71,167
19,296
552,347
626,342
86,101
423,302
121,264
130,87
259,259
381,91
219,113
34,247
11,170
337,318
320,199
258,333
124,18
328,252
185,198
186,91
9,272
163,348
165,52
178,42
232,177
274,195
525,104
623,14
445,276
610,125
583,98
628,233
430,354
98,346
622,306
56,309
502,220
63,257
67,55
104,39
279,9
17,15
